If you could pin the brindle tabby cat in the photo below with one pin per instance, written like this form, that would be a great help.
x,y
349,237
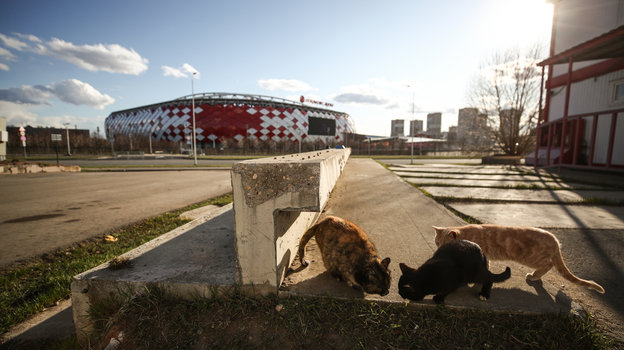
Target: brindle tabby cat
x,y
348,254
533,247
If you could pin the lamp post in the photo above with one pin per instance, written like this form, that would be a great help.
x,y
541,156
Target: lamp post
x,y
67,130
193,103
412,129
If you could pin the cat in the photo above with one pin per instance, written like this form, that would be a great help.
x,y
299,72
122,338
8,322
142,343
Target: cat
x,y
348,254
454,264
533,247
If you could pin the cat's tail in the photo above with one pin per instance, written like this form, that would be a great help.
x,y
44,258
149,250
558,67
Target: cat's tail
x,y
311,232
501,277
567,274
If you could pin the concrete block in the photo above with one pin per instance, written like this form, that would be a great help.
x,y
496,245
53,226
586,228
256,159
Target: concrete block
x,y
52,169
194,260
275,200
33,168
70,168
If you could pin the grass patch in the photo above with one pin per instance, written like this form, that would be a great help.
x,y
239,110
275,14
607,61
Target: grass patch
x,y
157,320
413,181
162,166
467,218
29,287
408,156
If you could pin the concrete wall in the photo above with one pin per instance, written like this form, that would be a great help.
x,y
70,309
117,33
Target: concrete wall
x,y
275,201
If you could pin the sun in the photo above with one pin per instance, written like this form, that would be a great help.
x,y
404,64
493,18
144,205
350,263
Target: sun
x,y
521,22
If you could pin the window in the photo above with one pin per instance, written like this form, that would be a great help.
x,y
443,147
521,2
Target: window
x,y
618,91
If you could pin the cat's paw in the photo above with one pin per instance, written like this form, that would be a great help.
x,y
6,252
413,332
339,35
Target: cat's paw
x,y
530,277
483,297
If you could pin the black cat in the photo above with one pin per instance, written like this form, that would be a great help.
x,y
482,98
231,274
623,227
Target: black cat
x,y
454,264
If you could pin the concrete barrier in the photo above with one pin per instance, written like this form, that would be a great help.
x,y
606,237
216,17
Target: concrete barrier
x,y
275,201
249,244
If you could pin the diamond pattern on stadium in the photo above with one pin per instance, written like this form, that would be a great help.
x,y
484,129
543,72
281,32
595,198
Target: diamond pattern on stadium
x,y
221,116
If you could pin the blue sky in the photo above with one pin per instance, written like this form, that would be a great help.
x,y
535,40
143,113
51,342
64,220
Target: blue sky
x,y
77,61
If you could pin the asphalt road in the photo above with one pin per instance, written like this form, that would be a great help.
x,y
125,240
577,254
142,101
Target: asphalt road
x,y
149,161
43,212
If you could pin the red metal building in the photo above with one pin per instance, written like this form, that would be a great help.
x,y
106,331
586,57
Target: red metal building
x,y
582,122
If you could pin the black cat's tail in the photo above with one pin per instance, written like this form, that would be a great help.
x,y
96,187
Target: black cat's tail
x,y
311,232
500,277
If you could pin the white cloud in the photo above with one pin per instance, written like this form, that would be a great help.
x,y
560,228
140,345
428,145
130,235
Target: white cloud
x,y
284,85
80,93
359,97
6,54
172,72
33,95
29,37
21,114
4,67
17,114
109,58
58,121
71,91
362,94
181,72
13,43
190,69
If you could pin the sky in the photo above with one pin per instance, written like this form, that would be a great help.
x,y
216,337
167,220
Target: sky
x,y
77,61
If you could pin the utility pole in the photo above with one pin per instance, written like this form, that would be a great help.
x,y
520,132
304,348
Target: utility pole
x,y
67,130
193,103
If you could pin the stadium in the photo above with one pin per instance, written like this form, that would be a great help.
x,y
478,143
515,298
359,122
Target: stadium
x,y
226,118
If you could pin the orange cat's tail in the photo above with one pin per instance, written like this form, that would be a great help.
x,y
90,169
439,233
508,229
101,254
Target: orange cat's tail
x,y
311,232
567,274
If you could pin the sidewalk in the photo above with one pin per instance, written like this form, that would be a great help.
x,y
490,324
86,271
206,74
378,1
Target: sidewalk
x,y
398,219
590,231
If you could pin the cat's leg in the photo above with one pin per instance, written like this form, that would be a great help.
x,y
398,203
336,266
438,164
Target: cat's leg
x,y
336,274
485,291
352,283
539,272
439,298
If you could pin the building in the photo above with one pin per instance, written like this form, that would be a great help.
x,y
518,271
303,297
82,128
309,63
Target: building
x,y
582,121
397,128
451,136
221,117
434,124
416,127
472,131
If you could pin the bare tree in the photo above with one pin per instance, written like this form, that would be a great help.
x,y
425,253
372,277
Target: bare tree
x,y
507,91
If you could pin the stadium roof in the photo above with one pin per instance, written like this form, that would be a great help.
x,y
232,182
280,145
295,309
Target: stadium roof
x,y
234,98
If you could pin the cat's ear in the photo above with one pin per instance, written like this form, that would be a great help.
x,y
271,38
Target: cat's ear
x,y
385,262
437,229
404,268
454,234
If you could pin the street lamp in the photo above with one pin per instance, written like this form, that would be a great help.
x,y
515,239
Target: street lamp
x,y
193,103
412,128
67,130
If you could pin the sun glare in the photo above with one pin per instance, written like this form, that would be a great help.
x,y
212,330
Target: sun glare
x,y
521,22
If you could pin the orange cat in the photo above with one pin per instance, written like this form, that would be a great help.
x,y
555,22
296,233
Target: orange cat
x,y
533,247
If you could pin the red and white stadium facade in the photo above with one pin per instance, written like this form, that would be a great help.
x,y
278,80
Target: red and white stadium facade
x,y
222,116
